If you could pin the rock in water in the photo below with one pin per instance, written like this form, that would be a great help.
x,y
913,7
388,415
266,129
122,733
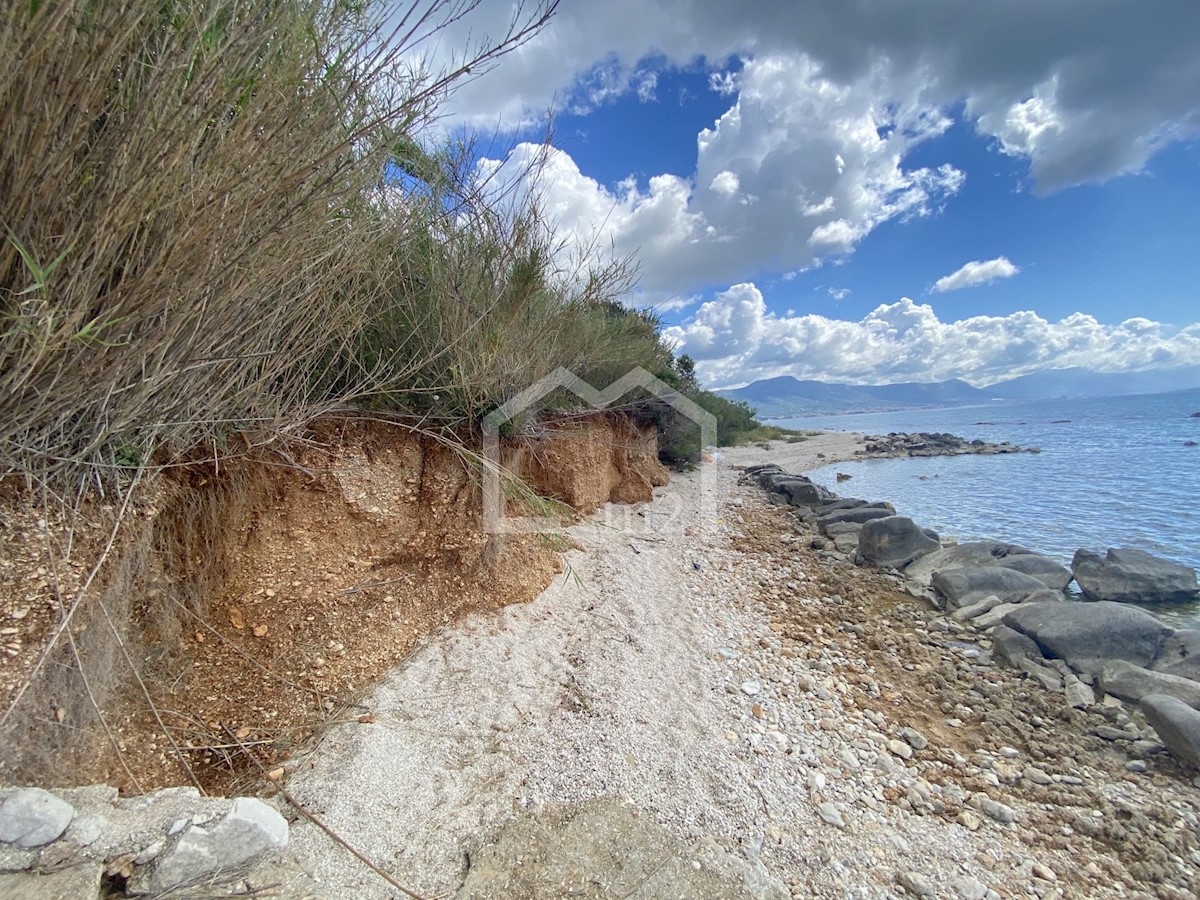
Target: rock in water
x,y
894,541
1127,575
1177,724
1078,632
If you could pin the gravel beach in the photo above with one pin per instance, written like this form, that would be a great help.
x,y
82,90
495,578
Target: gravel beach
x,y
799,727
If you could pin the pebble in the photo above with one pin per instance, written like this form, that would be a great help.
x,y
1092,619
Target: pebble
x,y
969,820
750,688
1037,776
993,810
831,814
967,888
900,749
1044,872
914,738
1009,752
915,884
1136,765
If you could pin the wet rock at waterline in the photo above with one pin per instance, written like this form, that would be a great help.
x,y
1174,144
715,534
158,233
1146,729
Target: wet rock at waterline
x,y
1128,575
1081,633
894,541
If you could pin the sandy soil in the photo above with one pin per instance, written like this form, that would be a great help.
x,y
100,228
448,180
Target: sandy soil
x,y
699,660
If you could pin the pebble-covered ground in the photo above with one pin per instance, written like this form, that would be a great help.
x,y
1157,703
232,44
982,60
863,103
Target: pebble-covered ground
x,y
701,660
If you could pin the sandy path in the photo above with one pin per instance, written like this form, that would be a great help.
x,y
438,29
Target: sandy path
x,y
652,671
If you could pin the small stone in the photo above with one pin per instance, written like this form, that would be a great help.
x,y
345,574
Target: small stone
x,y
1037,776
915,884
1009,752
993,810
914,738
900,749
1044,872
31,817
1136,765
831,814
750,688
816,781
967,888
969,820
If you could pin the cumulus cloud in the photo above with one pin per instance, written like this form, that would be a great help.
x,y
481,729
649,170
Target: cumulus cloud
x,y
735,339
1083,89
975,273
798,171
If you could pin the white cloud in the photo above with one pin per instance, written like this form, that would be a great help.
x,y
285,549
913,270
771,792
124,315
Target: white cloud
x,y
734,339
1084,89
647,86
839,293
798,171
975,273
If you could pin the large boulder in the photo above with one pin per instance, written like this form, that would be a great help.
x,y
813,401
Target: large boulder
x,y
1080,632
801,491
31,817
1177,724
859,514
1128,575
962,556
894,541
1129,682
1047,571
1181,655
966,587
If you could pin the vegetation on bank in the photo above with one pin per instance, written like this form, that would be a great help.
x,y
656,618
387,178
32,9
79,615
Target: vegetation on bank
x,y
220,222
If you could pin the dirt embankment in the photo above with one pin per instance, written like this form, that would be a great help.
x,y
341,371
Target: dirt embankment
x,y
252,602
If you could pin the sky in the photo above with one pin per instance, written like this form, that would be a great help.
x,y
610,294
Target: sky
x,y
871,191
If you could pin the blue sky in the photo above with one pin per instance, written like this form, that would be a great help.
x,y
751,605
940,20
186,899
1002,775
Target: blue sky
x,y
877,190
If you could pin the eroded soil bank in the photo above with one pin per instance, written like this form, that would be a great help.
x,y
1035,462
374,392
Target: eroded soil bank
x,y
256,600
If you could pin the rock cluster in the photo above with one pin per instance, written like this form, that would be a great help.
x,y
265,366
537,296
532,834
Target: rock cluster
x,y
925,443
1016,598
76,841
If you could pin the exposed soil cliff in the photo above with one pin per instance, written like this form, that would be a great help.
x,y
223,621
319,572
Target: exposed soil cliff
x,y
256,599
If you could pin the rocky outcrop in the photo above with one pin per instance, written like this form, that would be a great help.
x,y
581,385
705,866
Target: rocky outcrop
x,y
968,586
894,541
1081,633
959,556
1128,575
155,843
926,443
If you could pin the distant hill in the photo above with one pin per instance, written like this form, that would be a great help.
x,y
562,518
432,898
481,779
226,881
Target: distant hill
x,y
1076,382
788,396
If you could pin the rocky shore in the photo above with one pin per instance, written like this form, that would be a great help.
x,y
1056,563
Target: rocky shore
x,y
926,443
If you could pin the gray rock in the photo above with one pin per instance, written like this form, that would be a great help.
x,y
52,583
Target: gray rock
x,y
914,738
962,556
968,586
250,830
859,514
1127,575
993,616
837,528
1129,682
894,541
993,809
1079,631
32,817
1043,675
1011,648
1079,695
966,613
801,491
1181,655
967,888
851,503
917,885
1054,576
1177,724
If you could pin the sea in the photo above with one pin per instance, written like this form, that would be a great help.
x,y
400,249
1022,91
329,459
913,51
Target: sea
x,y
1112,472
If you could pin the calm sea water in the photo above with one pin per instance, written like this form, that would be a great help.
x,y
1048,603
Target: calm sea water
x,y
1113,472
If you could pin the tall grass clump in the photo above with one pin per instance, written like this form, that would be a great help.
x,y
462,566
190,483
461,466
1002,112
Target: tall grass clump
x,y
186,239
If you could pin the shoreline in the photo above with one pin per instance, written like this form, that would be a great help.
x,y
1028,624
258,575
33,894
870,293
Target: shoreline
x,y
805,727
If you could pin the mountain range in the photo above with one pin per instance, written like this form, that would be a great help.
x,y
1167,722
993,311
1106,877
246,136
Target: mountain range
x,y
788,396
